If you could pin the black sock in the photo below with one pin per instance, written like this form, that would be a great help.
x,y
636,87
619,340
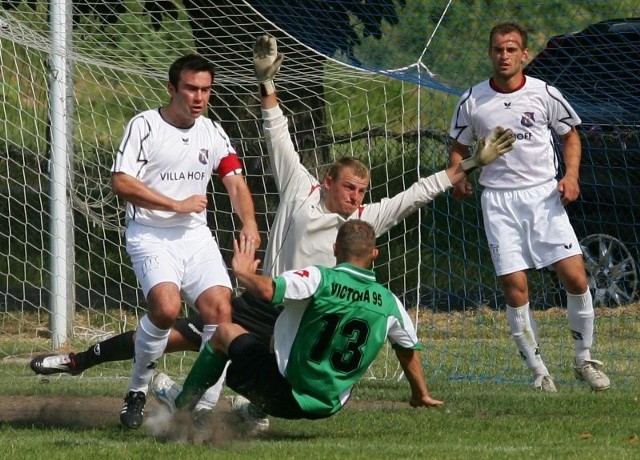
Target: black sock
x,y
117,348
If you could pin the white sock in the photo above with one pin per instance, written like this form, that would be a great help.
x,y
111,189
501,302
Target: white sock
x,y
581,315
150,344
207,333
523,332
212,395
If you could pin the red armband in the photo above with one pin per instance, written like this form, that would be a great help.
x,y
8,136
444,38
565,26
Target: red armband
x,y
229,165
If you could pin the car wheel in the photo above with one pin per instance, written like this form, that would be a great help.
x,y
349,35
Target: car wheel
x,y
611,270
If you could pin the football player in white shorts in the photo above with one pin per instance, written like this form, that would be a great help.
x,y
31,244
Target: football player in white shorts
x,y
523,203
162,170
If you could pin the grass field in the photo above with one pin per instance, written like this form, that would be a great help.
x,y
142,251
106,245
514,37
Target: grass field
x,y
479,420
77,417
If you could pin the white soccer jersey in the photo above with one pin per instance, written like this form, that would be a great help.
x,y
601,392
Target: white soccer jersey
x,y
174,161
530,112
303,231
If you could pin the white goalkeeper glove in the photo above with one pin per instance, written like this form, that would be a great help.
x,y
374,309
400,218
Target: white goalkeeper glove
x,y
266,62
500,142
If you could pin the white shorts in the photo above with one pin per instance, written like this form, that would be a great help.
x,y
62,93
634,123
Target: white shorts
x,y
189,258
527,228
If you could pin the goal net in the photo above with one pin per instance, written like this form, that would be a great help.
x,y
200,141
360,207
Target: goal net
x,y
377,80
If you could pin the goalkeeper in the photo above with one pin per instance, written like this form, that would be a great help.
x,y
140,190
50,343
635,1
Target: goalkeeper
x,y
310,212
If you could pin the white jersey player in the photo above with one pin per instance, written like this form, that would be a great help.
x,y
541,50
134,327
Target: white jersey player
x,y
523,203
532,112
162,170
310,213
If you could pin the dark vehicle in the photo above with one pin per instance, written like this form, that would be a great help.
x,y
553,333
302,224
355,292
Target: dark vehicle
x,y
598,71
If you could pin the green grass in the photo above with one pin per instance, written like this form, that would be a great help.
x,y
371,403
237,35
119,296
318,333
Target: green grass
x,y
491,411
479,420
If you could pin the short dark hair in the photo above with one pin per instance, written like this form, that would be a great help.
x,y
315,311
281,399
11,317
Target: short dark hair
x,y
358,168
506,28
193,62
356,238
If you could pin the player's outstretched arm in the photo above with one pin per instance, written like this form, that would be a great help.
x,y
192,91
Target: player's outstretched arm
x,y
245,265
386,213
412,366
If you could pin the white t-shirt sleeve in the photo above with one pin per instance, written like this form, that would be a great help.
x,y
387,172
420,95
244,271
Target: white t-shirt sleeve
x,y
390,211
297,284
401,332
461,128
562,117
133,152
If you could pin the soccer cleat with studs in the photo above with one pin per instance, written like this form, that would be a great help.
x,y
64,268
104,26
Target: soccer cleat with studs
x,y
544,383
253,418
55,364
133,409
165,390
590,371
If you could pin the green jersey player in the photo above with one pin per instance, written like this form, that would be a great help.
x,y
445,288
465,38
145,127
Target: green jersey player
x,y
334,323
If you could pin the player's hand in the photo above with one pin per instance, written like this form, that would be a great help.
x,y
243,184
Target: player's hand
x,y
425,401
499,142
250,232
569,189
462,189
244,256
194,203
266,62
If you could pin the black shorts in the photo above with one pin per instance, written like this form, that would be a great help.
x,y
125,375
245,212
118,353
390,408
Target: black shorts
x,y
253,373
255,316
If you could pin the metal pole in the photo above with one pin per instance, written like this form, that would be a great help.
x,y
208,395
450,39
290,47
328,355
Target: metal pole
x,y
58,172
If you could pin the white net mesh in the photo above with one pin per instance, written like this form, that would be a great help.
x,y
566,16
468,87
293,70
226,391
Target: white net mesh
x,y
377,80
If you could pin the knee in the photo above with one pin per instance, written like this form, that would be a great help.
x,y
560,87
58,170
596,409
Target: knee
x,y
215,305
575,283
224,335
162,318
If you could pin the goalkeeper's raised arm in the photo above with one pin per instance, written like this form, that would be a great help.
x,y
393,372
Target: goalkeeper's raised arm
x,y
342,191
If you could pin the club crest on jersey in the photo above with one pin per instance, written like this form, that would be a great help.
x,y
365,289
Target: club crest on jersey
x,y
528,119
203,156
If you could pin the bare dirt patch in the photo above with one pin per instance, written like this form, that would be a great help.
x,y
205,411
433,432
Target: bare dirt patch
x,y
100,412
